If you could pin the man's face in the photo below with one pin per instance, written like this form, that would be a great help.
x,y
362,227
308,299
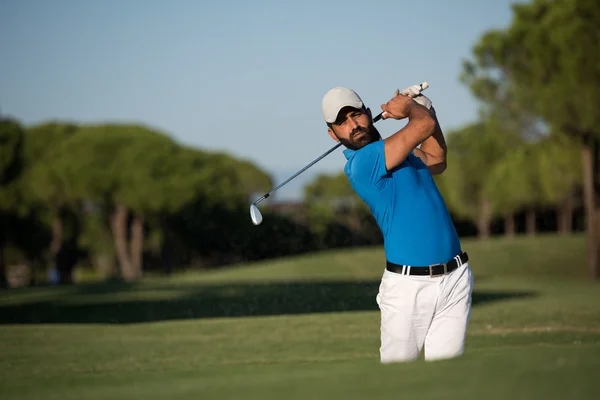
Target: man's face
x,y
354,128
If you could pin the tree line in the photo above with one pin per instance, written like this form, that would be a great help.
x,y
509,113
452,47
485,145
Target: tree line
x,y
123,200
540,77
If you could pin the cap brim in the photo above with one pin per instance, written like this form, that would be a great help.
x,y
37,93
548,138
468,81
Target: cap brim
x,y
334,115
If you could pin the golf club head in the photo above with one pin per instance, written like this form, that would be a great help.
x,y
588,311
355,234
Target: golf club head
x,y
255,215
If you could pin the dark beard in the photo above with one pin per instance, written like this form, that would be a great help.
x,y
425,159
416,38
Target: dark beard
x,y
371,134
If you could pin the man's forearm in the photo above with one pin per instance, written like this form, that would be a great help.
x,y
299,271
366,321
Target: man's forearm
x,y
419,129
435,145
433,150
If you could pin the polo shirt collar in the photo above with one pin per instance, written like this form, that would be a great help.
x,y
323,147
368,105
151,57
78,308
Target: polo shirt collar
x,y
348,153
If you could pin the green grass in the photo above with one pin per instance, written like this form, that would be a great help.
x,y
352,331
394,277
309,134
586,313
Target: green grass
x,y
305,327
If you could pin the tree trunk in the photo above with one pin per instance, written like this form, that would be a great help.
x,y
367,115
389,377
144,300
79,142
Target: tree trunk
x,y
530,224
57,235
137,243
55,246
167,247
595,270
565,216
509,225
119,228
590,167
3,283
483,219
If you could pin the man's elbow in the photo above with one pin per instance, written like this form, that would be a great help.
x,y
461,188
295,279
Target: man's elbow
x,y
438,167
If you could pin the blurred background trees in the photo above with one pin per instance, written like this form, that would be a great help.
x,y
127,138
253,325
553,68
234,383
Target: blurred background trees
x,y
117,201
543,69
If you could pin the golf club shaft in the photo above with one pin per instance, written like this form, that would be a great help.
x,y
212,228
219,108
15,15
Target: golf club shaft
x,y
377,118
423,86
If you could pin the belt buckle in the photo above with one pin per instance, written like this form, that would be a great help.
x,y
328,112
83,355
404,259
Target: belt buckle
x,y
431,275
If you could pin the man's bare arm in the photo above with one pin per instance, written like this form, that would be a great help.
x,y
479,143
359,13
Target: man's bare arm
x,y
433,151
421,125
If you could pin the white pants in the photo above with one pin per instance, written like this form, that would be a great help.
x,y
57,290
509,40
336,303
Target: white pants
x,y
419,311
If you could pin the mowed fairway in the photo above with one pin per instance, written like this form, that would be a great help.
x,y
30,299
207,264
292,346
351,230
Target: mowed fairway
x,y
305,328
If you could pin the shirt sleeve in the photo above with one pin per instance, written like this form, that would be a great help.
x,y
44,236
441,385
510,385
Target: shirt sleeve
x,y
368,165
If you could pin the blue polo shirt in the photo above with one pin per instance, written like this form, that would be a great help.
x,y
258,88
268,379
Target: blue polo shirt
x,y
407,205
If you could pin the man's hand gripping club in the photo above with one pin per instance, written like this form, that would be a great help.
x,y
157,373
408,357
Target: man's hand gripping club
x,y
421,125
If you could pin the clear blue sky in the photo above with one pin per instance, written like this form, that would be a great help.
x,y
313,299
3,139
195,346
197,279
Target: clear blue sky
x,y
245,77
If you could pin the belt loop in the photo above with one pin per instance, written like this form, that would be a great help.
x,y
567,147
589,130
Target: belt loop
x,y
403,269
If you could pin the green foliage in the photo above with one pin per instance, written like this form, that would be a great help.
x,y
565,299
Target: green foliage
x,y
513,183
550,54
42,138
544,66
559,164
96,236
152,176
219,178
319,215
133,165
335,212
91,165
219,233
334,192
514,175
194,203
11,162
498,97
253,179
11,140
473,152
41,185
329,187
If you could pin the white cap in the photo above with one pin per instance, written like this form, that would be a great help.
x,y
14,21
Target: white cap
x,y
336,99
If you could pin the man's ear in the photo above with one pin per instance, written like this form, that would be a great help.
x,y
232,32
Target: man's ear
x,y
332,134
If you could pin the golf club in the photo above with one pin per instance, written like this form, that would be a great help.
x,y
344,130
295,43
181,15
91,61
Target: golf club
x,y
255,214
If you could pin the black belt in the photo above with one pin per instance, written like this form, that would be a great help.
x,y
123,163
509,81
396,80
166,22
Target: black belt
x,y
431,270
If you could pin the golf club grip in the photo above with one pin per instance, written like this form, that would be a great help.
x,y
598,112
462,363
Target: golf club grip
x,y
423,86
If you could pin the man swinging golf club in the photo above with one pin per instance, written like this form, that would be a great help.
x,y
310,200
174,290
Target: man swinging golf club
x,y
425,290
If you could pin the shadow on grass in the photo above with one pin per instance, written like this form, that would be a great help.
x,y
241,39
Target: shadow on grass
x,y
120,303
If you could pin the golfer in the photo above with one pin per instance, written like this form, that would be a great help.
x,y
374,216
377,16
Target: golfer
x,y
425,290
